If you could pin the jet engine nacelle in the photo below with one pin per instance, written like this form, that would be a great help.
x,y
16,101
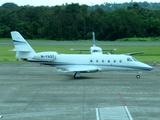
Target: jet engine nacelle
x,y
46,56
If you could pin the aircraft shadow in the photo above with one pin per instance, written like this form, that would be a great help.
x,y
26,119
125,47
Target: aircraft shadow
x,y
70,77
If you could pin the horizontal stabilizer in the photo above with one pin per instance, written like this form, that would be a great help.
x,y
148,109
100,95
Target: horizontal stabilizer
x,y
20,50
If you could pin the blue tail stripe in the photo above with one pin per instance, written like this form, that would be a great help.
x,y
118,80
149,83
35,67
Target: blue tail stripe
x,y
16,41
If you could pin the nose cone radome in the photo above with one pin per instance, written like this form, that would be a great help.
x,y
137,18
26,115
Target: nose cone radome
x,y
147,67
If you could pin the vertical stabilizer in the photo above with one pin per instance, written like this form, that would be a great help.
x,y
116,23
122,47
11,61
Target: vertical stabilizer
x,y
94,41
22,48
95,49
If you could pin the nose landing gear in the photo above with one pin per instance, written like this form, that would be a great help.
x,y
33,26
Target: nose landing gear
x,y
138,76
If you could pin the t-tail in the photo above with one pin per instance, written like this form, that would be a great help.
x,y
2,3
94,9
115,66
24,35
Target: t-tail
x,y
95,49
23,50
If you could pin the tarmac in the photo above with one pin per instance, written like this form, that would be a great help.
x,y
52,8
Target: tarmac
x,y
30,91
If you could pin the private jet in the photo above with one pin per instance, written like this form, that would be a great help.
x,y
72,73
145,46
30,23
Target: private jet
x,y
77,63
94,49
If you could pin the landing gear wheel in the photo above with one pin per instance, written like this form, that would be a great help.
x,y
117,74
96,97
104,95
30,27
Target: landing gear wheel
x,y
77,75
138,76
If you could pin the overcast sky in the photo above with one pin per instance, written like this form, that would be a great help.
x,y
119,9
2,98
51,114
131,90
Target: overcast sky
x,y
60,2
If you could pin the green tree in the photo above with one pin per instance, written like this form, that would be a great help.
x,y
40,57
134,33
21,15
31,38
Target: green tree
x,y
9,5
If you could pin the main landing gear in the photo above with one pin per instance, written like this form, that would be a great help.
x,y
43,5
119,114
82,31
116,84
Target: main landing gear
x,y
77,75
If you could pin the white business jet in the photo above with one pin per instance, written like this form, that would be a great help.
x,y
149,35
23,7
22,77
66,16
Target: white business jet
x,y
94,49
98,50
77,63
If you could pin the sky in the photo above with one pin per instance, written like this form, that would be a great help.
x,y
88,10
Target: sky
x,y
60,2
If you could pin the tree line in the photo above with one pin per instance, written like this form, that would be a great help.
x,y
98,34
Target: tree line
x,y
76,22
113,6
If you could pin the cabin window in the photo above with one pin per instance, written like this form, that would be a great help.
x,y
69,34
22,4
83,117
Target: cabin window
x,y
129,59
96,60
102,61
120,61
91,61
114,61
108,61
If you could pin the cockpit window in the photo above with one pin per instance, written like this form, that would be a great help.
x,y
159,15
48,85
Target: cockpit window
x,y
129,59
95,50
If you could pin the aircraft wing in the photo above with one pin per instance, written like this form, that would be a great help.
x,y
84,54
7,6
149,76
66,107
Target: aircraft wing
x,y
72,49
109,49
134,53
13,49
78,68
79,49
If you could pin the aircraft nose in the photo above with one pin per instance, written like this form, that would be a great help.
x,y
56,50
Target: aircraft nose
x,y
148,67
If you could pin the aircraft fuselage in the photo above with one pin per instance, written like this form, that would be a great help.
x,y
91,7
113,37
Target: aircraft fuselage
x,y
101,61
